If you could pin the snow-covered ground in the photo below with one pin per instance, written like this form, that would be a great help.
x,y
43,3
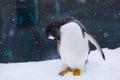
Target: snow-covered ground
x,y
95,69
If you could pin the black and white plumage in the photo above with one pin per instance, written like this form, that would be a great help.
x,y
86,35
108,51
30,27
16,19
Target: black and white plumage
x,y
74,41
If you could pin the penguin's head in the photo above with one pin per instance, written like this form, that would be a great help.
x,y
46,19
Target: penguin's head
x,y
53,29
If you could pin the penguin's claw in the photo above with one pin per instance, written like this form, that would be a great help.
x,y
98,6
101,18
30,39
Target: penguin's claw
x,y
62,73
77,72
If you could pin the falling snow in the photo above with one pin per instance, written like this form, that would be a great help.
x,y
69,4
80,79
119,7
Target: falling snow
x,y
36,42
95,13
103,16
33,38
105,34
82,1
13,19
1,42
21,0
22,32
119,14
11,33
100,30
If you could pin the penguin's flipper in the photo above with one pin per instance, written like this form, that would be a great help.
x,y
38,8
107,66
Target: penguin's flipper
x,y
94,42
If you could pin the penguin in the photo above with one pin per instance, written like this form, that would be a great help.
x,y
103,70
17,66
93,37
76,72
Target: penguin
x,y
73,43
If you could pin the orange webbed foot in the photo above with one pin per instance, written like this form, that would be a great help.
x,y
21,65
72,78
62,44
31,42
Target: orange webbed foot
x,y
62,73
76,72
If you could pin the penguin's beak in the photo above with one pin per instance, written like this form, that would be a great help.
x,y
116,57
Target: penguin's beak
x,y
59,42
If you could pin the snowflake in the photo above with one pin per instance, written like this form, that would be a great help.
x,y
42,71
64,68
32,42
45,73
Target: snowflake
x,y
12,14
86,8
36,42
1,42
119,14
33,38
21,0
104,13
115,34
100,30
21,32
14,25
118,44
95,13
11,32
13,19
52,17
82,1
105,35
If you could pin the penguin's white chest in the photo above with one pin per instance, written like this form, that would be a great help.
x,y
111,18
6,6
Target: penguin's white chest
x,y
74,48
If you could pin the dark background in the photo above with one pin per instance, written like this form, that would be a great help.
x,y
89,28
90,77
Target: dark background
x,y
23,23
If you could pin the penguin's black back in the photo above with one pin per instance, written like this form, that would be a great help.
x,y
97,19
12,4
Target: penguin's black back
x,y
54,27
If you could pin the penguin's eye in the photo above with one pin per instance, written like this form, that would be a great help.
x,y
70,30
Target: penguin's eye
x,y
51,37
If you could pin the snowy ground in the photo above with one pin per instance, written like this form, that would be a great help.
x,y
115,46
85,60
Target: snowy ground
x,y
95,69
